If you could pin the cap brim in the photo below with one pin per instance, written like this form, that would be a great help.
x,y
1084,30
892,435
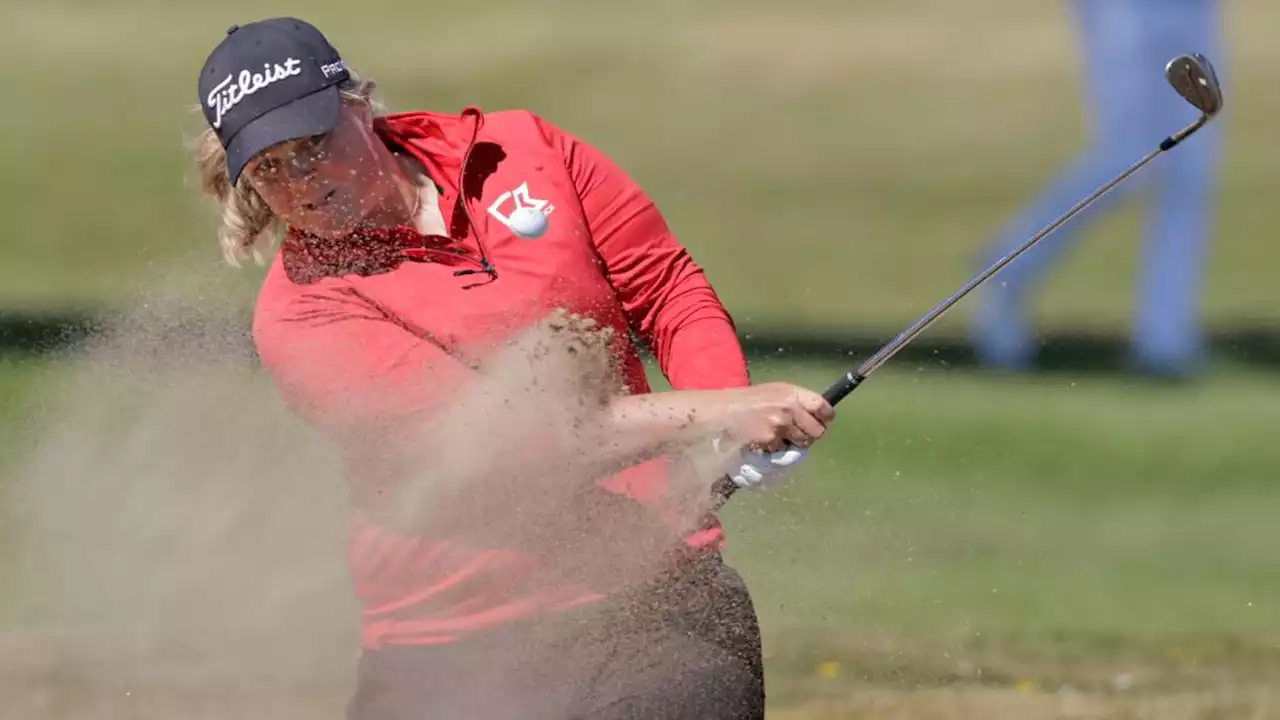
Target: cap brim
x,y
315,114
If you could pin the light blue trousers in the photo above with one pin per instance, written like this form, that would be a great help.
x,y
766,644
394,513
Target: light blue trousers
x,y
1125,45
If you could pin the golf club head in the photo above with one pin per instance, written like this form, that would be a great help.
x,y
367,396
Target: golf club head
x,y
1193,77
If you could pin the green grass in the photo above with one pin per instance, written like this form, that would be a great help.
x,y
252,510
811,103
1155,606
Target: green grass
x,y
828,162
24,388
974,531
1056,526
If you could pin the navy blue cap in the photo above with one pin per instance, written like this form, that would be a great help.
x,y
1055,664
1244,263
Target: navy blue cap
x,y
268,82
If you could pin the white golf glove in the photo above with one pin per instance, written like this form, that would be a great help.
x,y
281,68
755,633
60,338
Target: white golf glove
x,y
762,471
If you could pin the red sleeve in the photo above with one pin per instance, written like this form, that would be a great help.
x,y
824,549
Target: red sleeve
x,y
342,364
664,293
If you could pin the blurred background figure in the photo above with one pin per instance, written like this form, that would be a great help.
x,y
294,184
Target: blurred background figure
x,y
1124,46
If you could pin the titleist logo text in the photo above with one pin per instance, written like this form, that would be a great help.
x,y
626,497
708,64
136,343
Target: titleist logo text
x,y
227,95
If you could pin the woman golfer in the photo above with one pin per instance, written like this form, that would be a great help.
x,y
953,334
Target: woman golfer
x,y
409,250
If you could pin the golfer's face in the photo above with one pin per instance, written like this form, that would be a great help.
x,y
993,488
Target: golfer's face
x,y
323,184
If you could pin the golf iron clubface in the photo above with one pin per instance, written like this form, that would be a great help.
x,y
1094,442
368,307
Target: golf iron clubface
x,y
1195,80
1191,75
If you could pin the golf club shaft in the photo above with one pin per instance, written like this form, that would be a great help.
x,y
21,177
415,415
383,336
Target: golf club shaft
x,y
850,381
854,378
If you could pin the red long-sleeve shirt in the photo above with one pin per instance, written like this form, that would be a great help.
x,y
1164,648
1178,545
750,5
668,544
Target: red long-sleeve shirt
x,y
366,335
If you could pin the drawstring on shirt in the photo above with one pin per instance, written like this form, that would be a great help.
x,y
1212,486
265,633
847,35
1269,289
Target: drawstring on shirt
x,y
485,268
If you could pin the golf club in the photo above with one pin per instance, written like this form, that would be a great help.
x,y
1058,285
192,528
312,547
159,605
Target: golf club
x,y
1191,75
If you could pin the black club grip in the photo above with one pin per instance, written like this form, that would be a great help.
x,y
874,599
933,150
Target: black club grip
x,y
843,387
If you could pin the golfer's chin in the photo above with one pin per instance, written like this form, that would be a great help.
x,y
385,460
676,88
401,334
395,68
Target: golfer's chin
x,y
332,226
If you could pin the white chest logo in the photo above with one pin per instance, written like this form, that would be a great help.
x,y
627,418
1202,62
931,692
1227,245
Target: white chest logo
x,y
528,216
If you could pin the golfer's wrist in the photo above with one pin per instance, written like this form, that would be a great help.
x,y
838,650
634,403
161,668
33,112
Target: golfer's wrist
x,y
665,419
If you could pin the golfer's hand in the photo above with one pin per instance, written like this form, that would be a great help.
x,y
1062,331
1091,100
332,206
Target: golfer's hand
x,y
775,416
763,471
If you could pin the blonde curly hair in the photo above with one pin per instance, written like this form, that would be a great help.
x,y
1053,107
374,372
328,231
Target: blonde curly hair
x,y
248,227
